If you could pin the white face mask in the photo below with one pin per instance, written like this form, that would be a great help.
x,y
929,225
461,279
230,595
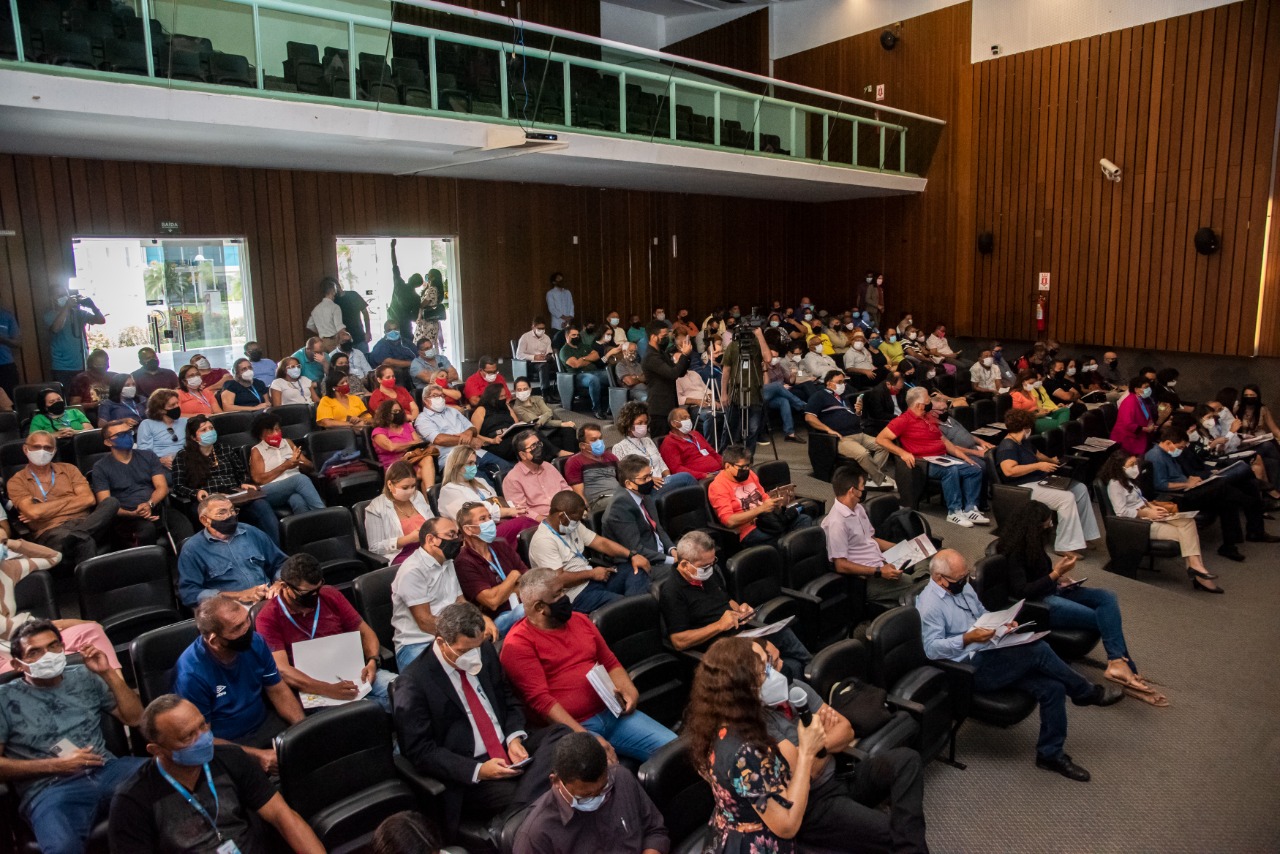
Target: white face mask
x,y
640,431
40,458
839,389
1209,424
685,425
203,364
194,382
1071,372
48,666
246,376
1037,384
538,333
524,395
613,321
774,690
986,361
859,345
129,392
437,404
1170,383
660,316
1131,472
489,377
796,357
469,662
293,373
808,316
773,324
702,573
930,374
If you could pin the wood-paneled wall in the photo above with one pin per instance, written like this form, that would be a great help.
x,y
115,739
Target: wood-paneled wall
x,y
510,237
742,43
1187,108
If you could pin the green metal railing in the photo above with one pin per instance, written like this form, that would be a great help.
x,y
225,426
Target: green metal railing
x,y
481,67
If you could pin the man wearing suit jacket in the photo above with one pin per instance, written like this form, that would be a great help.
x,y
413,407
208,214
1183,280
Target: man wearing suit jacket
x,y
878,404
661,370
631,519
458,720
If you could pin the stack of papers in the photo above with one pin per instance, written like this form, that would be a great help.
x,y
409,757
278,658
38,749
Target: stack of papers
x,y
1099,443
944,461
997,619
764,631
336,658
1250,441
986,431
910,552
604,687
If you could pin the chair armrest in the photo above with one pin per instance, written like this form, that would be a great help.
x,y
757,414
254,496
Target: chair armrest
x,y
371,559
420,783
960,679
801,596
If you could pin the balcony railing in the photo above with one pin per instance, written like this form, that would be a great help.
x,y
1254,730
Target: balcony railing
x,y
462,64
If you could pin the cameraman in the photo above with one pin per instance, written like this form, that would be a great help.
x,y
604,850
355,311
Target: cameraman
x,y
67,321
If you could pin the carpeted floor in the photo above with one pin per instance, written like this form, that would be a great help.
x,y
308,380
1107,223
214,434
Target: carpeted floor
x,y
1202,775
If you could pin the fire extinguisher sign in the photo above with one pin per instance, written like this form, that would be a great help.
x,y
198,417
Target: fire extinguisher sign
x,y
1043,281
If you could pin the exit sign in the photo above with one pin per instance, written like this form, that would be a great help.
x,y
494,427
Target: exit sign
x,y
1044,281
880,92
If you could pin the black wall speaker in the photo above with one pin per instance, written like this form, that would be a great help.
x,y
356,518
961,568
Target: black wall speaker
x,y
888,40
986,242
1207,242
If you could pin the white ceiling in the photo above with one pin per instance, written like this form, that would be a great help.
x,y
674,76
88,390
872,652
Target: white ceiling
x,y
677,8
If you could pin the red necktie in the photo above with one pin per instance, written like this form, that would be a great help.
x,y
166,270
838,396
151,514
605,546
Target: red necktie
x,y
648,518
488,735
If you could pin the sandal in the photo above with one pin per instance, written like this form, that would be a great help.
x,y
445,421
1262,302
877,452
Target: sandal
x,y
1151,697
1129,681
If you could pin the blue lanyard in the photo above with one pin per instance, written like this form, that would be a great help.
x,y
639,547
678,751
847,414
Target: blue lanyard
x,y
496,565
563,540
314,623
196,805
254,391
53,478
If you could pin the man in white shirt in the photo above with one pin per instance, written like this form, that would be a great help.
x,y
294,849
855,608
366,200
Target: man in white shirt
x,y
559,303
815,362
448,428
326,318
937,342
560,542
985,376
535,348
424,586
859,367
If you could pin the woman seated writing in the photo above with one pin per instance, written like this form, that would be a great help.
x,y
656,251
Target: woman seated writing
x,y
392,520
205,465
1029,395
244,393
1032,575
463,482
533,409
394,439
340,408
280,469
193,398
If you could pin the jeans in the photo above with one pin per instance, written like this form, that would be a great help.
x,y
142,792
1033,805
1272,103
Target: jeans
x,y
961,485
259,514
408,653
63,815
298,493
1090,608
595,383
507,619
627,581
780,398
636,735
675,481
754,416
378,691
1035,668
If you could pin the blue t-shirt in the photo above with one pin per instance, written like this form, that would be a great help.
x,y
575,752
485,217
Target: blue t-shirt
x,y
1022,454
66,346
1164,469
228,695
265,370
834,413
388,349
246,395
8,329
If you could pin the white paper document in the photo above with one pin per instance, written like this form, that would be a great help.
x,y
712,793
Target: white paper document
x,y
1016,639
997,619
1250,441
943,461
764,631
909,552
603,685
331,659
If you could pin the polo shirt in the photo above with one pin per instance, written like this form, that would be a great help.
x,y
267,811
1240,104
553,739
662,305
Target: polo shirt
x,y
63,481
8,329
253,394
691,453
420,580
388,349
549,666
129,483
918,436
851,536
834,413
1021,453
228,695
281,632
687,605
476,575
580,352
534,489
265,370
476,384
450,422
598,477
311,369
1164,468
552,826
729,497
562,551
154,436
207,566
326,318
892,352
149,383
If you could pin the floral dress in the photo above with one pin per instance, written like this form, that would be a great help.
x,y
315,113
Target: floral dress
x,y
744,778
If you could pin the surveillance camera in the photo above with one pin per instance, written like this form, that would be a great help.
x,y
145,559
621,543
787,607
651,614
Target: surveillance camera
x,y
1110,171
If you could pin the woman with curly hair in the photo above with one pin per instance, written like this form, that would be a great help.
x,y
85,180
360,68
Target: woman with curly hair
x,y
632,422
760,799
1032,575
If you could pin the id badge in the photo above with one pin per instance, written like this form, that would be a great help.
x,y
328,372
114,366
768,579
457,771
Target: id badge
x,y
229,847
702,451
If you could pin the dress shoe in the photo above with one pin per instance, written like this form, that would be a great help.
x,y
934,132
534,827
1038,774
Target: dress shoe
x,y
1064,766
1231,553
794,438
1264,537
1103,695
600,415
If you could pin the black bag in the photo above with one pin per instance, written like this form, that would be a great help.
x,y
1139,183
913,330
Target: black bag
x,y
862,704
778,522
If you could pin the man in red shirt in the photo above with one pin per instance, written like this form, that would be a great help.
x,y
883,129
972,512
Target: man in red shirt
x,y
307,608
547,657
685,449
486,376
915,433
739,500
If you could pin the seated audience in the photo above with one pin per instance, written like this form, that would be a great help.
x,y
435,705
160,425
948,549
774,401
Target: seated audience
x,y
432,367
529,408
345,365
122,402
949,608
462,483
1136,419
629,371
54,500
1061,384
211,378
89,387
280,469
1163,390
686,451
955,432
164,430
632,423
761,797
391,351
817,362
547,655
593,805
136,480
986,376
1029,396
561,541
693,393
915,433
263,368
938,345
828,412
578,358
393,519
1032,575
424,585
227,558
206,466
289,386
150,378
884,403
447,428
533,482
229,675
859,363
54,417
1008,374
388,389
1022,465
459,720
631,518
696,608
198,795
486,375
891,347
494,419
394,440
593,471
739,501
242,392
535,348
776,394
488,567
339,407
193,397
306,609
1255,420
854,549
62,792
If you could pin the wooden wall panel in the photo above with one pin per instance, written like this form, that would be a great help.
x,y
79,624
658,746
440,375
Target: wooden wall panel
x,y
742,43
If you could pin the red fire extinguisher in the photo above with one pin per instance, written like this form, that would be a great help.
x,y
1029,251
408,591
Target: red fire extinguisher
x,y
1041,312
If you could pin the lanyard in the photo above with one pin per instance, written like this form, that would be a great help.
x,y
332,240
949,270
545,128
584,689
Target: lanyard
x,y
496,565
314,623
204,401
563,540
254,392
196,805
53,478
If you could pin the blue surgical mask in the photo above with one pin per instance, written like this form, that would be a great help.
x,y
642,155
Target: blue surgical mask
x,y
210,438
597,447
489,531
1146,392
470,472
1175,453
197,753
393,335
588,804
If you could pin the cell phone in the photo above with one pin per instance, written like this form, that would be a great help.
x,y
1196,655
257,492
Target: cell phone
x,y
64,747
521,763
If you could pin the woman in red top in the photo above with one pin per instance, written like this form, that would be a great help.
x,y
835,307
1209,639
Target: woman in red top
x,y
388,390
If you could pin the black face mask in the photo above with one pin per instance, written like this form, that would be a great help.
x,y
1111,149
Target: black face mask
x,y
345,346
397,418
255,355
173,412
58,408
151,365
451,548
535,453
645,488
306,600
572,342
226,527
244,643
955,588
944,415
742,475
560,610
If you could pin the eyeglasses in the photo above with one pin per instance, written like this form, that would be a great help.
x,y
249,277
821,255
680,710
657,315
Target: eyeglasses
x,y
32,655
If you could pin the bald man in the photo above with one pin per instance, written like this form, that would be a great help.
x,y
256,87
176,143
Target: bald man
x,y
949,609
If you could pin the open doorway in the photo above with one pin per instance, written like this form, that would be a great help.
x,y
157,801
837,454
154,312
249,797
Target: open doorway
x,y
365,265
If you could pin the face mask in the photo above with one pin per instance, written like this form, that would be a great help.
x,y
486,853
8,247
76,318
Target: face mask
x,y
48,666
389,382
640,431
1071,372
489,531
572,341
244,643
428,354
1131,472
859,345
613,321
875,342
839,389
254,356
346,346
469,472
808,316
597,447
437,404
58,407
955,588
685,425
560,610
868,280
773,692
307,600
246,376
197,753
226,527
1249,400
450,548
470,662
1037,384
986,361
538,333
702,573
1175,453
796,357
1171,383
342,388
173,412
524,395
570,527
489,377
274,441
660,316
742,474
775,360
123,442
943,414
209,438
129,392
773,324
397,417
203,364
1146,392
1088,369
930,374
293,373
645,488
194,381
535,453
1209,424
997,353
151,365
393,335
893,339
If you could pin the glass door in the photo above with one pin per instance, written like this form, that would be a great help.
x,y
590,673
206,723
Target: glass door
x,y
180,296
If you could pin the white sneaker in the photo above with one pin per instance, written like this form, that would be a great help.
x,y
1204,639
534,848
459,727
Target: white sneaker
x,y
977,518
889,483
959,519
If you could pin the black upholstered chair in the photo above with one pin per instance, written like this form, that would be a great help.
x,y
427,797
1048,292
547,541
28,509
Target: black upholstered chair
x,y
329,535
991,583
685,509
851,659
681,794
128,592
841,598
371,595
1129,541
755,576
154,654
632,629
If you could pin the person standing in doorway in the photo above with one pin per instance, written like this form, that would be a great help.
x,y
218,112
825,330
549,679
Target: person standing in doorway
x,y
403,307
67,322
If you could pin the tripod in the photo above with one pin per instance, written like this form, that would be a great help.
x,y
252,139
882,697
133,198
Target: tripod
x,y
744,374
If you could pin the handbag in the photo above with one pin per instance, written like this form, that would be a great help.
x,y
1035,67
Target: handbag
x,y
862,704
417,455
778,522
